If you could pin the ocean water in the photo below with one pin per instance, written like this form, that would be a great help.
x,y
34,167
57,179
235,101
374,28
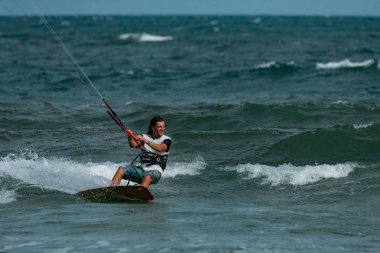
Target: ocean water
x,y
275,122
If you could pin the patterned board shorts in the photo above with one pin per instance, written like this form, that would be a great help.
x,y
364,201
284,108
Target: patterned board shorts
x,y
136,174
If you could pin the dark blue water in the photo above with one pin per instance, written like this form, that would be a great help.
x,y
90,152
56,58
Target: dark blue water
x,y
275,122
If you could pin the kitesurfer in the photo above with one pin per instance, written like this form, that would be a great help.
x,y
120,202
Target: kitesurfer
x,y
152,159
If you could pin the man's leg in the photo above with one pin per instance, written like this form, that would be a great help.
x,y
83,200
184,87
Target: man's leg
x,y
146,181
118,176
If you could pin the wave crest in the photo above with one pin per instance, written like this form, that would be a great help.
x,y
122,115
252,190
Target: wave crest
x,y
275,65
184,168
294,175
69,176
345,64
363,125
143,37
7,196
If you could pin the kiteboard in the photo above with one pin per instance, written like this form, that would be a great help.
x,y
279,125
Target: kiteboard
x,y
136,193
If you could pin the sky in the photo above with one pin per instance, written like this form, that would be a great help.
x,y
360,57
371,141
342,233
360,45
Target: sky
x,y
198,7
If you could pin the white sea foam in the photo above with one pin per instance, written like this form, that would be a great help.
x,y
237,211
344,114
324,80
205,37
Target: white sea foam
x,y
266,65
57,173
293,175
345,64
7,196
340,102
273,64
256,20
71,176
364,125
144,37
129,102
185,168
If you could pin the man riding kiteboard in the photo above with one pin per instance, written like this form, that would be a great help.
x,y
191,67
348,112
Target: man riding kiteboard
x,y
155,147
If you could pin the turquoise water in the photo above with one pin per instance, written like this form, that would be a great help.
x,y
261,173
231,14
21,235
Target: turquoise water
x,y
275,122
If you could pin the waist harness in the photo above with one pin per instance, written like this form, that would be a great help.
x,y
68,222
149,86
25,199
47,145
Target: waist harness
x,y
152,158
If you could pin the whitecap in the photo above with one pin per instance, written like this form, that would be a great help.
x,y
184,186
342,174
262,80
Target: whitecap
x,y
129,36
293,175
345,64
185,168
149,37
266,65
144,37
340,102
256,20
7,196
364,125
70,176
274,64
60,174
129,102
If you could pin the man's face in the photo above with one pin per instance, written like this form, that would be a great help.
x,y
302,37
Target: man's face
x,y
159,129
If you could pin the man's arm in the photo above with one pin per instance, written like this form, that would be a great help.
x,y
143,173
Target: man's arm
x,y
163,147
158,147
132,142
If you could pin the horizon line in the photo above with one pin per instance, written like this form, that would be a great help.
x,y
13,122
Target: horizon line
x,y
196,14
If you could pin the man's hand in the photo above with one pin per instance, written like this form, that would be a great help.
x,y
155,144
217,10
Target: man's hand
x,y
141,139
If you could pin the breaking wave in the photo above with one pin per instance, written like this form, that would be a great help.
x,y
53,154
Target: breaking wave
x,y
364,125
345,64
7,196
276,65
65,175
143,37
293,175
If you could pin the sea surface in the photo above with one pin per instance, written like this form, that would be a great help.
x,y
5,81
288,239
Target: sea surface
x,y
275,124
